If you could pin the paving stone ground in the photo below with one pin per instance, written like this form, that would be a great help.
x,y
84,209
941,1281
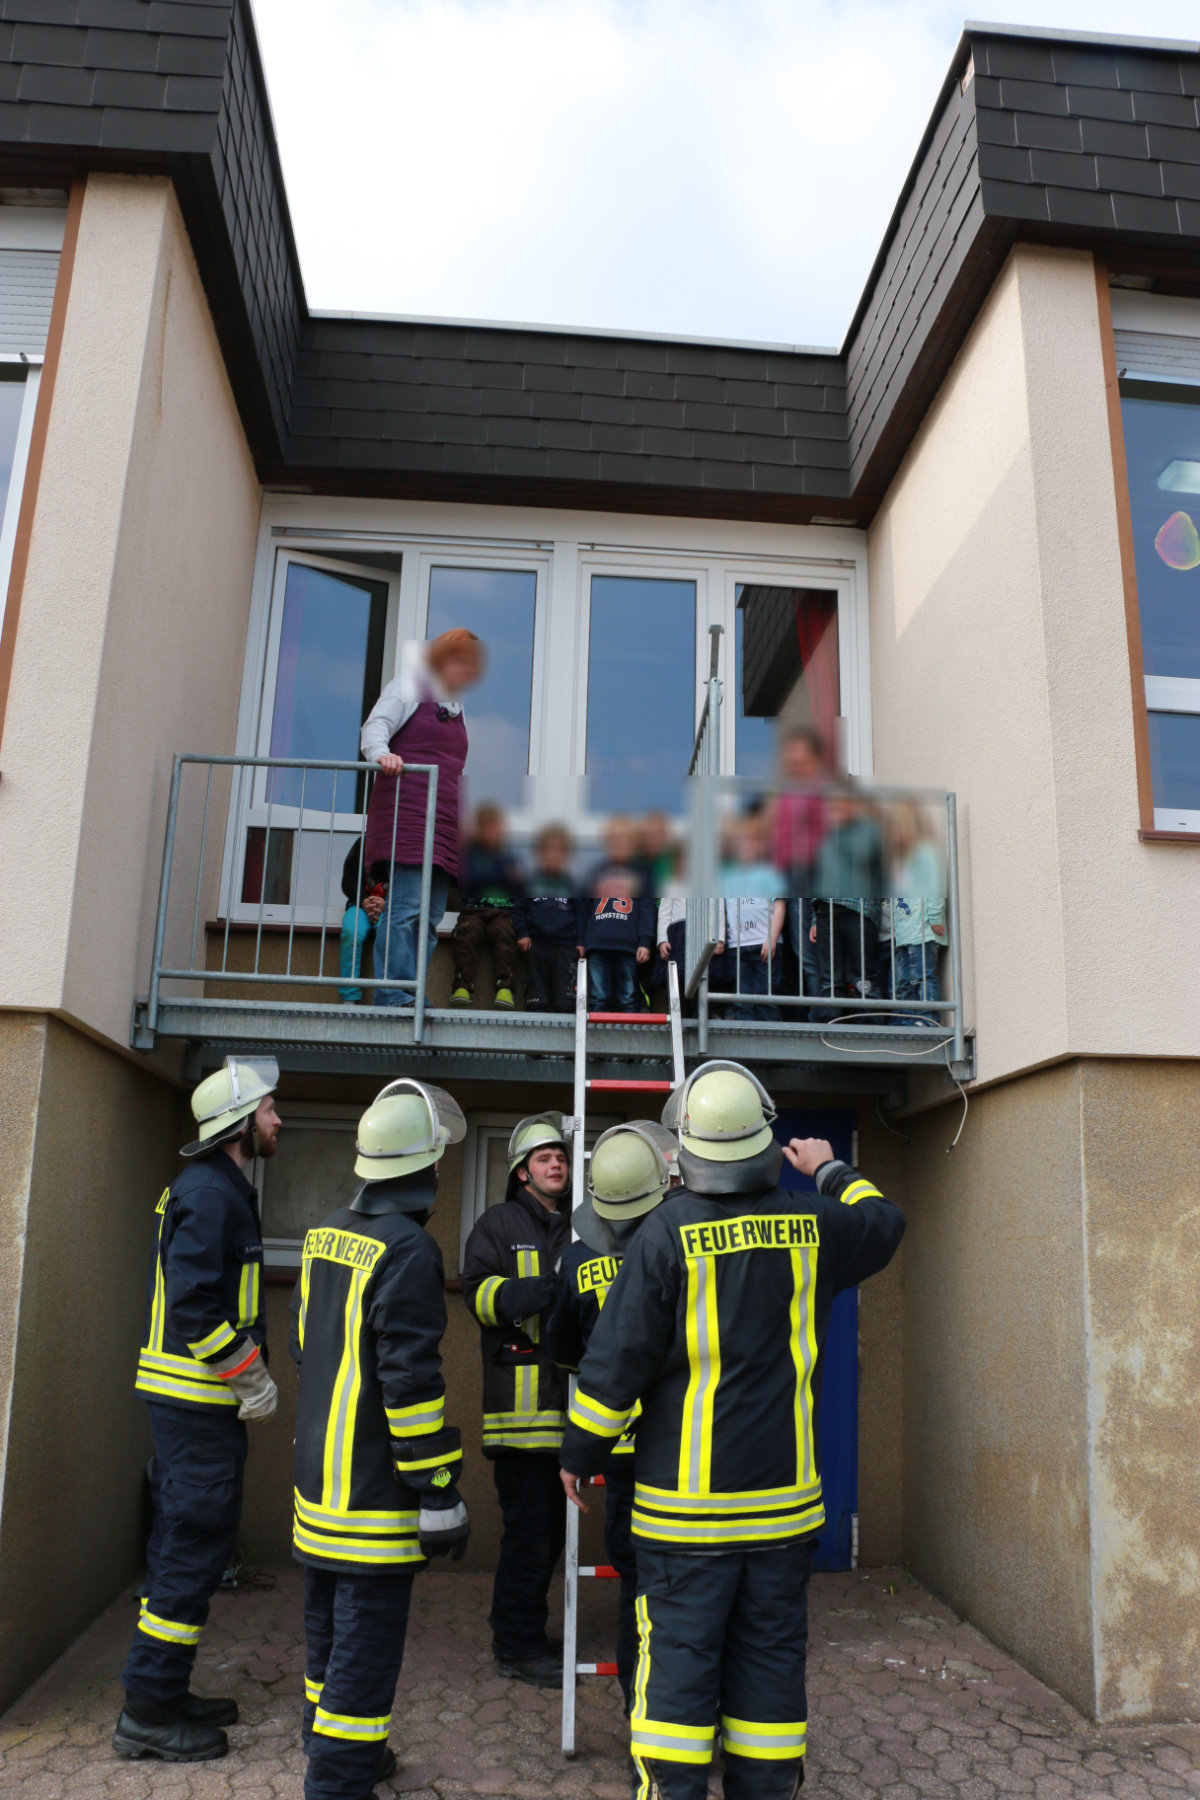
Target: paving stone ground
x,y
905,1701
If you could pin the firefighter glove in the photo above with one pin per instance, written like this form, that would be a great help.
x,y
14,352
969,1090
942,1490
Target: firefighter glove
x,y
442,1525
245,1373
523,1297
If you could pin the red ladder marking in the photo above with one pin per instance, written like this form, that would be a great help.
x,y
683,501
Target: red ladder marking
x,y
629,1018
601,1572
630,1087
595,1668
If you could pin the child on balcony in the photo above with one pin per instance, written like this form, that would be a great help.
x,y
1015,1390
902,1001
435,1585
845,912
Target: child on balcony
x,y
546,921
848,886
489,884
918,910
617,923
364,904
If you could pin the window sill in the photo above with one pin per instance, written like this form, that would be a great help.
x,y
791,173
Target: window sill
x,y
1169,837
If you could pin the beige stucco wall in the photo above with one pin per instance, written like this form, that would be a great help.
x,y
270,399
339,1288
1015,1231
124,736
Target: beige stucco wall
x,y
1052,1375
1000,668
133,617
78,1189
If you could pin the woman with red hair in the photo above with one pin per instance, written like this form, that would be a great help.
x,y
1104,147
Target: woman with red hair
x,y
418,718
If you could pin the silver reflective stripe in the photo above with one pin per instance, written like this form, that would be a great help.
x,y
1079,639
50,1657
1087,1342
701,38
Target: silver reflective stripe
x,y
704,1274
447,1520
719,1503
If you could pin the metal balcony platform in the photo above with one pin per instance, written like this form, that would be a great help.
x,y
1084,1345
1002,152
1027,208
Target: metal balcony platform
x,y
524,1047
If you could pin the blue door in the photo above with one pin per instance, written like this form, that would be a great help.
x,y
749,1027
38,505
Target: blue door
x,y
837,1419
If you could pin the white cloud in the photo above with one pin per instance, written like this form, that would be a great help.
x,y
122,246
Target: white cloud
x,y
722,167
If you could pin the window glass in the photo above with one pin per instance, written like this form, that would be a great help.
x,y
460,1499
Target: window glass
x,y
787,663
1162,448
1175,762
310,1176
641,712
328,675
498,606
755,741
12,399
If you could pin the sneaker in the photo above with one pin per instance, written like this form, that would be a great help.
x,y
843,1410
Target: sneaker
x,y
178,1739
203,1711
461,997
537,1671
504,998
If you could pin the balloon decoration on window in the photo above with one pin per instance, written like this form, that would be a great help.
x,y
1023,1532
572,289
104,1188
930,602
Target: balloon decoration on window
x,y
1178,542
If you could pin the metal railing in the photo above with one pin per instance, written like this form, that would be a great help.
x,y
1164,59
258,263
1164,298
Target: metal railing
x,y
700,938
289,836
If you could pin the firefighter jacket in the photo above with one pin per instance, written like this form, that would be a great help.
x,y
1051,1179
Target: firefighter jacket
x,y
368,1317
508,1283
205,1291
716,1324
584,1279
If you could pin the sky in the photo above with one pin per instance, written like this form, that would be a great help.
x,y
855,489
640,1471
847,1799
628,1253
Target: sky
x,y
713,168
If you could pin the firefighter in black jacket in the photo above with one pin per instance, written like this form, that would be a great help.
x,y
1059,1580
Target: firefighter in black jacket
x,y
715,1324
202,1368
631,1169
376,1465
509,1284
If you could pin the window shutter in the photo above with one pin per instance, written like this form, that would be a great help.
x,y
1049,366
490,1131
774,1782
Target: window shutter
x,y
1159,355
27,280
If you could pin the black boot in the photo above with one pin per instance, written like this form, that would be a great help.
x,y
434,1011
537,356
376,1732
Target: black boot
x,y
543,1671
387,1764
150,1728
203,1711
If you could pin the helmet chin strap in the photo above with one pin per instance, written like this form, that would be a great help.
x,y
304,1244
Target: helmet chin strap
x,y
540,1193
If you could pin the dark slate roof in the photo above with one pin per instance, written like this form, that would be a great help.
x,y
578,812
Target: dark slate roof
x,y
1049,135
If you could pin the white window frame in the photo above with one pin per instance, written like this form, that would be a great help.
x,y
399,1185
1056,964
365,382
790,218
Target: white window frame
x,y
565,548
20,463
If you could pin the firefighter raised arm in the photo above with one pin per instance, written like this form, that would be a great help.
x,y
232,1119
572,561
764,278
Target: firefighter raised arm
x,y
715,1327
376,1464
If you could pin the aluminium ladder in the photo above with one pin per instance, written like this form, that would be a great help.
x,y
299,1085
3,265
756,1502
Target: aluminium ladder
x,y
579,1157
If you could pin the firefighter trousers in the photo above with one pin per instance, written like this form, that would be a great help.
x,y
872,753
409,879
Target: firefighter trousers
x,y
722,1641
535,1528
618,1545
196,1487
354,1630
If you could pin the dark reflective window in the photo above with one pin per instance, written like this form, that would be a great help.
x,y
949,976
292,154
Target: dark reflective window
x,y
1162,450
327,678
641,712
498,606
12,399
787,668
1175,760
755,742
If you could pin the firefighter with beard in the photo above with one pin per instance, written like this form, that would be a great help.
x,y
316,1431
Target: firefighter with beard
x,y
203,1370
632,1168
715,1325
377,1466
509,1287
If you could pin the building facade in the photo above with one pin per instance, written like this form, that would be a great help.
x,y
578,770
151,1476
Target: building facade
x,y
219,501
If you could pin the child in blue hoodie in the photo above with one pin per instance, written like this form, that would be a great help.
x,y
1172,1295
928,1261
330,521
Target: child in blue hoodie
x,y
547,924
617,921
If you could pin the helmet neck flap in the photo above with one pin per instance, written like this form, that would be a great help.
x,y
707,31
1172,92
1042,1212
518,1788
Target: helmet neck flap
x,y
397,1194
754,1175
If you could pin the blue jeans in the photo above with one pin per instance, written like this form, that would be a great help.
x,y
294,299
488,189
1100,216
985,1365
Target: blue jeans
x,y
800,918
357,933
612,981
751,977
917,978
397,931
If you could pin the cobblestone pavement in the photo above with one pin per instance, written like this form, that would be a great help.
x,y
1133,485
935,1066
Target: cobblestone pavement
x,y
905,1702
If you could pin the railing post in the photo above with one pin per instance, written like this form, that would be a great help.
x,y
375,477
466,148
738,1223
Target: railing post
x,y
423,916
160,923
954,925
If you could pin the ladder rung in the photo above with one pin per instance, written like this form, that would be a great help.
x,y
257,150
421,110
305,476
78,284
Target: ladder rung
x,y
601,1573
630,1087
629,1018
595,1668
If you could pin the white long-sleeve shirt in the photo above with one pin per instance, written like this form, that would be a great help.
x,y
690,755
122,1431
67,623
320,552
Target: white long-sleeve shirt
x,y
400,700
673,911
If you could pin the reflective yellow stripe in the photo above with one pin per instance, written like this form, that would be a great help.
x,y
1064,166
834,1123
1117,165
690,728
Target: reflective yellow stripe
x,y
548,1419
802,1332
704,1363
485,1299
718,1504
529,1263
248,1294
169,1377
418,1420
398,1524
169,1631
216,1340
410,1464
356,1550
766,1743
860,1190
659,1740
158,1306
348,1725
724,1534
339,1432
305,1273
313,1689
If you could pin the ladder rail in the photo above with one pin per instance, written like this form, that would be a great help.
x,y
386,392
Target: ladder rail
x,y
573,1570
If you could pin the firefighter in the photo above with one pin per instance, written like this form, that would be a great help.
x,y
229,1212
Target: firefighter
x,y
509,1286
203,1370
715,1324
377,1466
631,1169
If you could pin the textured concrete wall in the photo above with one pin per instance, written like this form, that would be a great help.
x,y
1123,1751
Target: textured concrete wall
x,y
71,1507
134,609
